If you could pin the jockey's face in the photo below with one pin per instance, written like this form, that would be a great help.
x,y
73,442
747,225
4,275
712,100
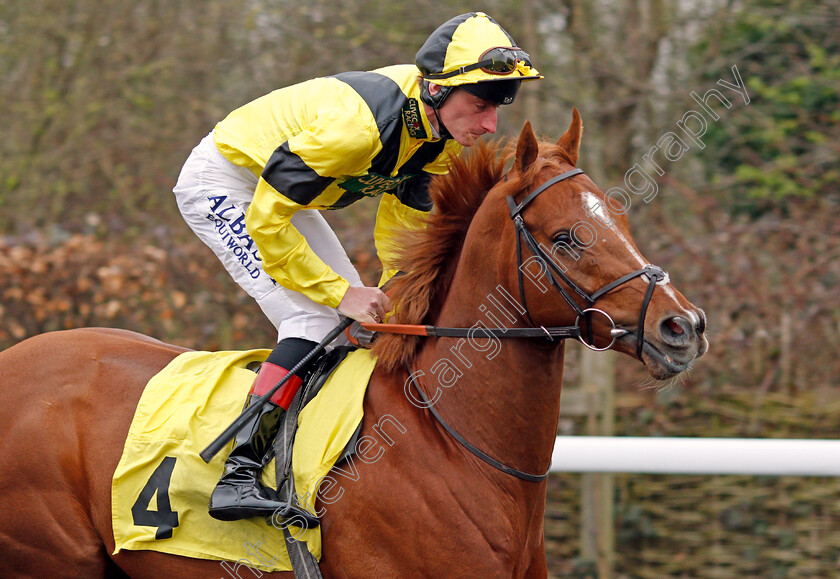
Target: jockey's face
x,y
467,116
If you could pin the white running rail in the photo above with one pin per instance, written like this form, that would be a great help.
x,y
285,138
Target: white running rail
x,y
652,455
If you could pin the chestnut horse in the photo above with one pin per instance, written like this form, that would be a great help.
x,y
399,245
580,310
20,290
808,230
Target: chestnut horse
x,y
429,506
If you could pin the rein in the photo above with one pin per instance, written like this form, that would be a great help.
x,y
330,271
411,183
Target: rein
x,y
475,451
561,332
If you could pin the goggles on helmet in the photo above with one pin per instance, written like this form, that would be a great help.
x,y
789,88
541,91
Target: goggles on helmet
x,y
500,60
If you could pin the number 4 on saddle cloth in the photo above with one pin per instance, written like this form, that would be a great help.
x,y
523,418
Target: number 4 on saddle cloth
x,y
161,487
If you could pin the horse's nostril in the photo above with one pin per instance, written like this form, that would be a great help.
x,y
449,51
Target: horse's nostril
x,y
677,330
674,327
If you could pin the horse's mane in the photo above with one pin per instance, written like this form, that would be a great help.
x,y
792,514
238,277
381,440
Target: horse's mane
x,y
428,256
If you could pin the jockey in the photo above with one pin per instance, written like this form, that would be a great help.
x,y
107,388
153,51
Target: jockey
x,y
253,188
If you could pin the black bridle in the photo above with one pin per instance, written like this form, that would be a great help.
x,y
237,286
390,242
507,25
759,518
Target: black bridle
x,y
550,267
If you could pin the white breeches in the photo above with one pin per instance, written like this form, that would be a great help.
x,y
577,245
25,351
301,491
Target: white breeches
x,y
213,195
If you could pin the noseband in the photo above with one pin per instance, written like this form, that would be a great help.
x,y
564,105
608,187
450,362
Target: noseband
x,y
550,267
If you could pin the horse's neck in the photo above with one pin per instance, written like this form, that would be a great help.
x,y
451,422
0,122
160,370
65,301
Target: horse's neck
x,y
503,396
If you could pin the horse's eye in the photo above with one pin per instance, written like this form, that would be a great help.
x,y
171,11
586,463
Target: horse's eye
x,y
563,238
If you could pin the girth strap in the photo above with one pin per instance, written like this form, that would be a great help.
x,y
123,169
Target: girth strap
x,y
304,564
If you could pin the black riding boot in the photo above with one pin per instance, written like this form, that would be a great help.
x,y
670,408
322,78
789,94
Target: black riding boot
x,y
239,493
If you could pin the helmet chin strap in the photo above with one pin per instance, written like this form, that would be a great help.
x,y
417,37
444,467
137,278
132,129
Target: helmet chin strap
x,y
436,101
442,130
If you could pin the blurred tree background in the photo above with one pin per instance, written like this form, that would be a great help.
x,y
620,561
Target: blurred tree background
x,y
102,102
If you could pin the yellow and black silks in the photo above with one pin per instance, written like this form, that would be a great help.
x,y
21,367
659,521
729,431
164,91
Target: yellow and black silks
x,y
324,144
161,487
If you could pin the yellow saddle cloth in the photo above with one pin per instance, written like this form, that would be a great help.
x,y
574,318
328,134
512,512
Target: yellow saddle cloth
x,y
161,487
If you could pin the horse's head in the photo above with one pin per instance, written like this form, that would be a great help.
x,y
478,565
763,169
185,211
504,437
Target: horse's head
x,y
561,252
571,261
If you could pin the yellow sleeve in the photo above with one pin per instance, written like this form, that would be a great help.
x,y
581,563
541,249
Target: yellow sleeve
x,y
336,143
285,253
392,218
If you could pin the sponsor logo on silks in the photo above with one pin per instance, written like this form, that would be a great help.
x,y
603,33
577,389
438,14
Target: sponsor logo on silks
x,y
372,184
231,230
411,117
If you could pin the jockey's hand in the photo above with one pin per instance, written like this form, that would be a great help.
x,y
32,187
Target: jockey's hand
x,y
365,304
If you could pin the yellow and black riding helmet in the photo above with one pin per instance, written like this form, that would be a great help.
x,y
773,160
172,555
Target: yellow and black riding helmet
x,y
472,52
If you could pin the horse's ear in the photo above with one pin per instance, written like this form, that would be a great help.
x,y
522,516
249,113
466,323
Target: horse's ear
x,y
526,148
570,141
